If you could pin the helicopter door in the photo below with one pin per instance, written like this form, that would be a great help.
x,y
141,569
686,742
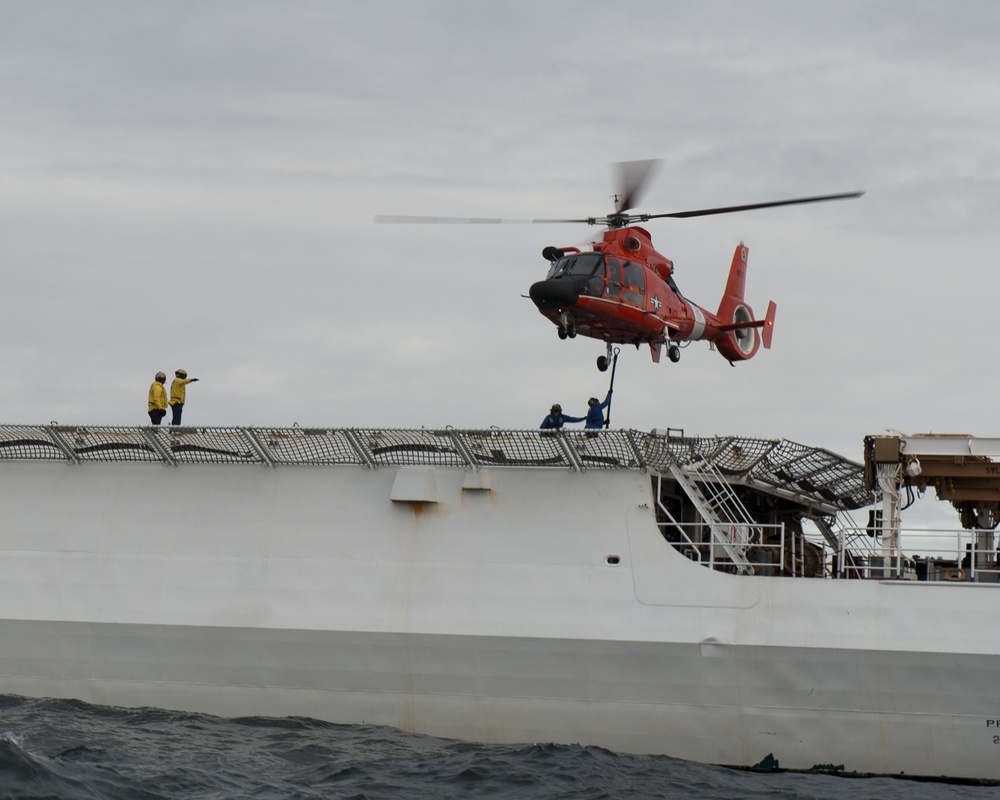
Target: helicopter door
x,y
614,287
634,284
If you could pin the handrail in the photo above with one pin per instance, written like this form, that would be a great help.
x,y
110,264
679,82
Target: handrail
x,y
971,552
712,545
945,556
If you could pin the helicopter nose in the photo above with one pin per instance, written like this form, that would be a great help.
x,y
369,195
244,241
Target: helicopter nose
x,y
554,293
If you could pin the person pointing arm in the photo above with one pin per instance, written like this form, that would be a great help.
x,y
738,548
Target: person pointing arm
x,y
178,394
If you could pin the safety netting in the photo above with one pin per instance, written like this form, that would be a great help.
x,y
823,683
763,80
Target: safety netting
x,y
774,465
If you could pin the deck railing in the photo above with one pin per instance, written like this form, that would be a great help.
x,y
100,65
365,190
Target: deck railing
x,y
932,554
813,475
324,446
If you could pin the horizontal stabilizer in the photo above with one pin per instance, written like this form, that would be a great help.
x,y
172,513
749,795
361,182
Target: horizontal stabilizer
x,y
768,332
736,326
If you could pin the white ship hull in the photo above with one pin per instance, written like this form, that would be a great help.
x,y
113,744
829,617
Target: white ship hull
x,y
520,605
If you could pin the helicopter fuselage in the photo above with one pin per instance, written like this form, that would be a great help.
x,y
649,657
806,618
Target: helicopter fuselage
x,y
623,292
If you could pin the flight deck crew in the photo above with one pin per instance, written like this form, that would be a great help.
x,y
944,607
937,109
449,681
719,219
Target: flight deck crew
x,y
157,399
595,414
556,419
178,393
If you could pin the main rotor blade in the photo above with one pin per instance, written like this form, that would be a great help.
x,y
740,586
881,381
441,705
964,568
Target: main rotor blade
x,y
704,212
632,178
393,219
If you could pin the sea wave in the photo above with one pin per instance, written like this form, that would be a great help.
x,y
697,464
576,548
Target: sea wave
x,y
75,751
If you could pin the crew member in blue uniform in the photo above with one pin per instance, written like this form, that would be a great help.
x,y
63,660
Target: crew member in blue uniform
x,y
595,414
556,419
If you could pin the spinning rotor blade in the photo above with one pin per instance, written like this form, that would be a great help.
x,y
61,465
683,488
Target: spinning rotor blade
x,y
705,212
632,178
392,219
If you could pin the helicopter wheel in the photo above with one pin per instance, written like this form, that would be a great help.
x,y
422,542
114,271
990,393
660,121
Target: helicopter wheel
x,y
571,331
602,363
674,353
562,332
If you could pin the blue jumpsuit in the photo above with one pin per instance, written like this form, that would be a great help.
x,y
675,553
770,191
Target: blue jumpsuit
x,y
595,416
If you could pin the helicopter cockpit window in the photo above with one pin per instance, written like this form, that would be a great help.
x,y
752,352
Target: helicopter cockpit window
x,y
634,284
581,265
614,286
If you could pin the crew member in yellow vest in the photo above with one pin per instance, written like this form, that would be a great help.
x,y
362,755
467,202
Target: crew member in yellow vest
x,y
178,393
157,399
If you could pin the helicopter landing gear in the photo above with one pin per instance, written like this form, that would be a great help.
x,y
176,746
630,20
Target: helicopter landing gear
x,y
566,326
674,353
604,361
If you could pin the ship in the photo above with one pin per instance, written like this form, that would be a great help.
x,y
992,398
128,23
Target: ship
x,y
705,598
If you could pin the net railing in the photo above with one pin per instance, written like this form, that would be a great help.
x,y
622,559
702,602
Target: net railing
x,y
768,464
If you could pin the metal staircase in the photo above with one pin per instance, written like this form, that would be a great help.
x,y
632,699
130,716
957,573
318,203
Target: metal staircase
x,y
730,524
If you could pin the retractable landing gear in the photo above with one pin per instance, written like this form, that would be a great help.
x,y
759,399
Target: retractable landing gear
x,y
604,361
566,327
674,353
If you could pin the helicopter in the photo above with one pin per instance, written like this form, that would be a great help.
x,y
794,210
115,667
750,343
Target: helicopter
x,y
623,291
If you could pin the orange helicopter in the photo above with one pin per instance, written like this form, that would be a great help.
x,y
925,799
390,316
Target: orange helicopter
x,y
623,290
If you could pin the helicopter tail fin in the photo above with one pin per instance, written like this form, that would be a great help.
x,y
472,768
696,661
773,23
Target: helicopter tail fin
x,y
739,338
737,274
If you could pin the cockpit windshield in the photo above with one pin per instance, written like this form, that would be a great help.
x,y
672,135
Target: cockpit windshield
x,y
582,264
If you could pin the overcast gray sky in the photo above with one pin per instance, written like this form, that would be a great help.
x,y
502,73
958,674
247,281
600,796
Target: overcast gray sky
x,y
193,184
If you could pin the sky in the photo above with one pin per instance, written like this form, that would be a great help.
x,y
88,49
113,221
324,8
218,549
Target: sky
x,y
194,185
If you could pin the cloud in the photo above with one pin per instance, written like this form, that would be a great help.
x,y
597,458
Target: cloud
x,y
192,185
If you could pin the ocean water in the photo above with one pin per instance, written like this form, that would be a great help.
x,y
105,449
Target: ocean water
x,y
74,751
